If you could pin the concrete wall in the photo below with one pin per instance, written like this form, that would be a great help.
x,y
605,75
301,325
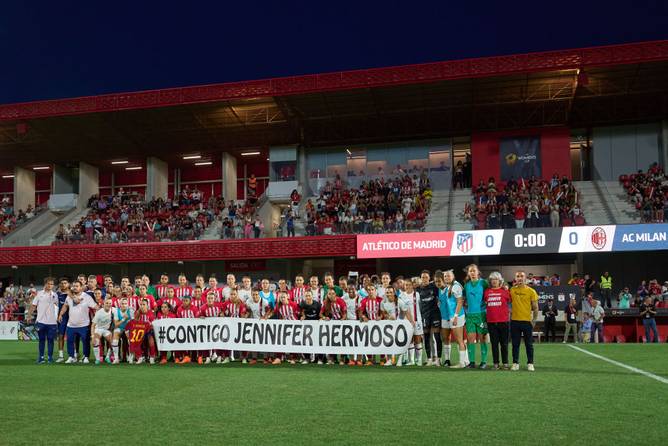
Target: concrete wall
x,y
625,149
24,188
157,178
89,183
229,177
65,180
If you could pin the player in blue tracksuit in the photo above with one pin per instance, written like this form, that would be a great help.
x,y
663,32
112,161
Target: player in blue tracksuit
x,y
62,292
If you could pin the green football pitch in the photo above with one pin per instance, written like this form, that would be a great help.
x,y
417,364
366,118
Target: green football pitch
x,y
572,398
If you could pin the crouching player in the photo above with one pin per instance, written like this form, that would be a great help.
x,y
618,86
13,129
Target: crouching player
x,y
123,314
102,326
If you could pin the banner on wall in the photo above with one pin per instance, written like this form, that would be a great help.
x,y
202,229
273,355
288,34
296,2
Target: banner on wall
x,y
283,336
572,239
9,330
519,157
561,295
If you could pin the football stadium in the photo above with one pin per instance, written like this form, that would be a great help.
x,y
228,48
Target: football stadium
x,y
467,251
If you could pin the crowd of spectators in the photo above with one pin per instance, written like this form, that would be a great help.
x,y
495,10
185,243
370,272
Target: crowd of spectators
x,y
240,220
125,217
10,220
648,191
524,203
384,204
15,300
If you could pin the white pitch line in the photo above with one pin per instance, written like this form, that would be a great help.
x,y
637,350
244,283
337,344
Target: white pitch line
x,y
620,364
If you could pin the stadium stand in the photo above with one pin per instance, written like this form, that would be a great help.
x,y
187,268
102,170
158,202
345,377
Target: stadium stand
x,y
648,191
10,220
524,203
394,204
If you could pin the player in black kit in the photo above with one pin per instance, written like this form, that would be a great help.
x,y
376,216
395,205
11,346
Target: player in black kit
x,y
431,319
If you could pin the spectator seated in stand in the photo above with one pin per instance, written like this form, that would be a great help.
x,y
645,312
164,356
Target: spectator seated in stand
x,y
395,204
648,191
128,218
10,220
240,219
524,203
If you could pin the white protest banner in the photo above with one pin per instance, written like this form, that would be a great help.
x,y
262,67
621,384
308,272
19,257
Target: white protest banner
x,y
284,336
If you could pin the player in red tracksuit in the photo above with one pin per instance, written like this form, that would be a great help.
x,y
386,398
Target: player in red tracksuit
x,y
142,341
233,307
165,313
171,300
286,309
210,309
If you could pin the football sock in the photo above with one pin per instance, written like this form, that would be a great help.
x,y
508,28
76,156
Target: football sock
x,y
471,351
462,357
114,347
411,352
446,350
483,351
418,353
439,345
427,345
96,350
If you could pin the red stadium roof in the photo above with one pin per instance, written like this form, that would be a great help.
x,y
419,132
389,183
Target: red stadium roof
x,y
582,58
576,88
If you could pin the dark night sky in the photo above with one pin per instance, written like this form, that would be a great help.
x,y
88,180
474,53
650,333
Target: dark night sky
x,y
65,48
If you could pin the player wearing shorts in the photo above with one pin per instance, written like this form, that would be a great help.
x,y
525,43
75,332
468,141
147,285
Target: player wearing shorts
x,y
102,328
185,311
79,305
212,308
137,330
123,314
451,306
233,307
394,309
412,299
257,308
476,320
352,301
289,311
63,292
333,309
165,312
431,319
148,341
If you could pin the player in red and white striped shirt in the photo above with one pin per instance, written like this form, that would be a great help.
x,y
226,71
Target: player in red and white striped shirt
x,y
210,309
183,289
170,299
297,291
369,310
161,288
334,308
185,311
213,287
286,310
152,305
197,299
232,308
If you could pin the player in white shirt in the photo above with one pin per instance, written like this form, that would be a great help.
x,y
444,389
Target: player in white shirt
x,y
385,280
315,289
412,298
245,290
46,304
352,301
78,325
394,309
231,285
102,328
257,308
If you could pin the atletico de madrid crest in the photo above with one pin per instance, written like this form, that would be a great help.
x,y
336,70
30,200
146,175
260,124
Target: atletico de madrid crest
x,y
465,242
598,238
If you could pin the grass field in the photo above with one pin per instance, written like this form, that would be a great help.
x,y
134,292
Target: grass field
x,y
572,398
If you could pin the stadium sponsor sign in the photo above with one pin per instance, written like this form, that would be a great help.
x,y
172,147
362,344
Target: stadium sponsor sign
x,y
284,336
9,330
572,239
561,295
